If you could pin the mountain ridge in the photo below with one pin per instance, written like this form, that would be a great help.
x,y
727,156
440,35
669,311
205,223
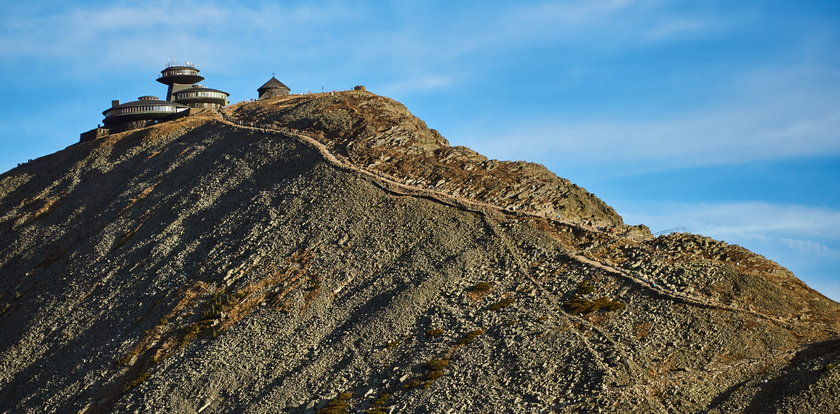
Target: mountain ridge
x,y
286,251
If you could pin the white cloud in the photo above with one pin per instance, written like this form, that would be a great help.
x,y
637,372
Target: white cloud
x,y
131,33
808,247
741,220
606,24
571,13
829,288
423,83
804,239
98,37
679,27
768,115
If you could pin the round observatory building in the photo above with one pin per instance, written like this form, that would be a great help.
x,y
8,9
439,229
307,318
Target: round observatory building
x,y
198,96
145,111
183,93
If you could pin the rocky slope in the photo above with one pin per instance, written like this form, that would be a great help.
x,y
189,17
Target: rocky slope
x,y
380,135
330,252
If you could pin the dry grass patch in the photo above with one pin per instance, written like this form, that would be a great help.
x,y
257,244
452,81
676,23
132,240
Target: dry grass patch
x,y
641,330
479,290
143,194
470,337
338,405
126,236
435,332
501,304
379,405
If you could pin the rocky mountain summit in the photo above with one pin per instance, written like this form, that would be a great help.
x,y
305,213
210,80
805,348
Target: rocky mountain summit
x,y
330,253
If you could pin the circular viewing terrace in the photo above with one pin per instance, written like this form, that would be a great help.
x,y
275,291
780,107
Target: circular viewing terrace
x,y
180,74
200,97
145,108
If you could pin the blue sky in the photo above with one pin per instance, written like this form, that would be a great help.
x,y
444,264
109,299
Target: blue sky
x,y
717,116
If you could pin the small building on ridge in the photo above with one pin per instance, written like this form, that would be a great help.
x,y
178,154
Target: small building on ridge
x,y
273,88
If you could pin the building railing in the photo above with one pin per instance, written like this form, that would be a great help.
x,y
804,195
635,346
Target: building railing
x,y
173,63
182,95
179,72
140,109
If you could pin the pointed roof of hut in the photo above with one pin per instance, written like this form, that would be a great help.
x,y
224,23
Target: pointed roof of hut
x,y
273,83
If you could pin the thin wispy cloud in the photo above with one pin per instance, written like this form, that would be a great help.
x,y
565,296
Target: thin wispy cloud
x,y
808,247
751,124
742,219
419,84
578,13
610,24
100,36
132,33
828,287
679,27
803,238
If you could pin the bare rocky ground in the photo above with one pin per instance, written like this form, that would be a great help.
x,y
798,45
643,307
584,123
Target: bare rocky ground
x,y
331,253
